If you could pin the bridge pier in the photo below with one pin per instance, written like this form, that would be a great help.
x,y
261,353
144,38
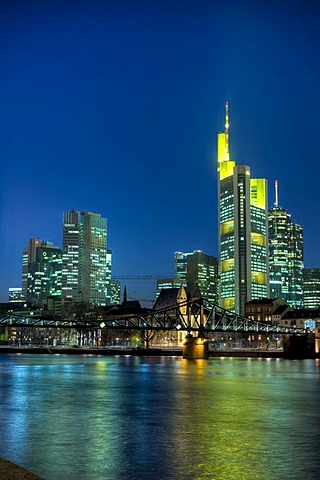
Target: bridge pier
x,y
299,346
195,348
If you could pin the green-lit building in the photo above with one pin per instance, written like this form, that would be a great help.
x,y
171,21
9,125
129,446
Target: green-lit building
x,y
199,271
85,269
242,230
169,283
41,271
285,256
311,288
195,271
16,295
113,289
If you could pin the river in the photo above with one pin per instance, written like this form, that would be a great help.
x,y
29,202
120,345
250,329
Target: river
x,y
156,418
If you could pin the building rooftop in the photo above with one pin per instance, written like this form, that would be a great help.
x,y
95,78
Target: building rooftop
x,y
167,298
261,301
303,313
124,308
281,309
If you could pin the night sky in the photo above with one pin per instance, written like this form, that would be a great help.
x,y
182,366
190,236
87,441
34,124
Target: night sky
x,y
114,107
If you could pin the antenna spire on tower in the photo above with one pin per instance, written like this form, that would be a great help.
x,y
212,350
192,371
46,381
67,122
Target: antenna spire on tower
x,y
227,129
276,193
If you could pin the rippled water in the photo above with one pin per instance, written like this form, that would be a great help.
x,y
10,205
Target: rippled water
x,y
125,418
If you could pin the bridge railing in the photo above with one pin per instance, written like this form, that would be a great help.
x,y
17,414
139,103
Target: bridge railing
x,y
198,315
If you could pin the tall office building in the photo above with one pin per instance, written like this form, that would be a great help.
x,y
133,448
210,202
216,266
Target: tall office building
x,y
115,292
108,282
242,230
285,255
296,264
16,295
165,283
199,271
311,288
41,271
113,287
85,269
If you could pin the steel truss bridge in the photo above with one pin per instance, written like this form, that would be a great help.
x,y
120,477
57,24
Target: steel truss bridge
x,y
199,316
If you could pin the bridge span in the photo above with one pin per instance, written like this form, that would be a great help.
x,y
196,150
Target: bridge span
x,y
198,316
192,319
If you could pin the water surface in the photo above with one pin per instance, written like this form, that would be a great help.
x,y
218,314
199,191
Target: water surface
x,y
126,418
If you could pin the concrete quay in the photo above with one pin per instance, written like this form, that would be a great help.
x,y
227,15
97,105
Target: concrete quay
x,y
10,471
143,352
136,351
154,351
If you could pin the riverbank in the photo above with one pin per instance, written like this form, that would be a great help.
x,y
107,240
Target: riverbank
x,y
177,352
11,471
93,350
142,352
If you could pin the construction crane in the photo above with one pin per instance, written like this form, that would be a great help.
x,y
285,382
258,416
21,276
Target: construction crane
x,y
143,277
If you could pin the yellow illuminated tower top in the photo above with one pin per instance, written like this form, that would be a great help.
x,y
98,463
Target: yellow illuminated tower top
x,y
227,131
225,165
223,140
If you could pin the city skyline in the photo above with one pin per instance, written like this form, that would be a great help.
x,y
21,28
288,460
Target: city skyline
x,y
115,108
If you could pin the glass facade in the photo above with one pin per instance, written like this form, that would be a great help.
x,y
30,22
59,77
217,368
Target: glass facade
x,y
198,270
311,288
16,294
259,253
165,283
115,292
86,266
285,257
296,265
72,256
42,271
243,232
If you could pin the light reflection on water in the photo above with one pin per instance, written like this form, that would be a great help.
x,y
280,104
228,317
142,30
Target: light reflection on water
x,y
130,418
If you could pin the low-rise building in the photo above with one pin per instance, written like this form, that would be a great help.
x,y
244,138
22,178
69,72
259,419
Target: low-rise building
x,y
266,309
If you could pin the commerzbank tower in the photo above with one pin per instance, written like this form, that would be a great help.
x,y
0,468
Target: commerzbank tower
x,y
243,230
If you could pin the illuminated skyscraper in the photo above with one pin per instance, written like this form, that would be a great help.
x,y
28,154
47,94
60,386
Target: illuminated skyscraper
x,y
16,295
113,288
86,267
41,271
195,271
199,271
296,265
285,256
165,283
243,230
115,292
311,288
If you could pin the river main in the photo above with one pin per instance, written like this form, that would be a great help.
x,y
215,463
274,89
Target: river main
x,y
156,418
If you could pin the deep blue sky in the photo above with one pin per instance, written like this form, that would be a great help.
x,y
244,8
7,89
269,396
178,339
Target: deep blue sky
x,y
114,107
